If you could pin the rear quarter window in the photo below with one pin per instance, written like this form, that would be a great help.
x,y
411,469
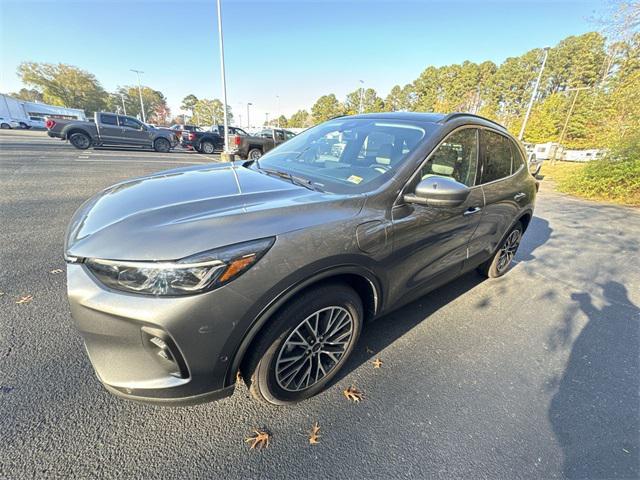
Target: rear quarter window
x,y
496,157
108,119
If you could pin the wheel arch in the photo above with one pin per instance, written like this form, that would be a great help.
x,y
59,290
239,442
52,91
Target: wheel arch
x,y
73,130
364,282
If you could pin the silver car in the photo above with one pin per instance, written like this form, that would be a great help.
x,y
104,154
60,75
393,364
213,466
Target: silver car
x,y
179,280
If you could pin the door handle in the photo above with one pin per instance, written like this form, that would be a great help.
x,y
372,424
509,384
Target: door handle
x,y
519,196
472,210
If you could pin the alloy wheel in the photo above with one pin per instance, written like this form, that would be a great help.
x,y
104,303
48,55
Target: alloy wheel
x,y
314,348
508,250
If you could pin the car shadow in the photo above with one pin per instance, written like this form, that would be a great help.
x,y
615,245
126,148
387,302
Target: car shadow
x,y
595,412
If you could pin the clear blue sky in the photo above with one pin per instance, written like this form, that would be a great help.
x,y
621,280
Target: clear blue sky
x,y
298,49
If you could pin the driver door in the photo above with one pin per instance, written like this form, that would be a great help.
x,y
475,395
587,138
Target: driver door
x,y
133,131
430,243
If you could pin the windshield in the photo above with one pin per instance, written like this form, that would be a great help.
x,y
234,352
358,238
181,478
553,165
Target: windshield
x,y
346,155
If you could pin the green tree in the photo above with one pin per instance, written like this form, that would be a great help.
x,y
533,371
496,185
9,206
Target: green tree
x,y
210,112
326,107
64,85
154,101
300,119
28,95
189,102
400,99
371,102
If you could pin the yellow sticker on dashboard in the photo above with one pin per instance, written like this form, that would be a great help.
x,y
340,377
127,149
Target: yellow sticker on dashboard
x,y
354,179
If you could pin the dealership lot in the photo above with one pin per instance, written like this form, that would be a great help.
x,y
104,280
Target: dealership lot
x,y
535,374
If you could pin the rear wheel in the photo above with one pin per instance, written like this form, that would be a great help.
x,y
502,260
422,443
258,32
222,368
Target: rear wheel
x,y
80,140
305,345
207,147
5,126
499,264
254,154
161,145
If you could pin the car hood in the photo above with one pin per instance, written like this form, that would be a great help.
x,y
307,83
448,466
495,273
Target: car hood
x,y
177,213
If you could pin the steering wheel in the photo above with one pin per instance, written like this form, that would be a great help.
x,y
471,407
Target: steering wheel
x,y
380,168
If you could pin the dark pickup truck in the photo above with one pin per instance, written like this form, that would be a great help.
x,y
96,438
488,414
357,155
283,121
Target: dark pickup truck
x,y
253,147
111,129
208,141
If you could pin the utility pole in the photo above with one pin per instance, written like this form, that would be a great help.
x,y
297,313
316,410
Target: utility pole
x,y
361,96
566,122
224,80
124,109
138,72
533,94
248,122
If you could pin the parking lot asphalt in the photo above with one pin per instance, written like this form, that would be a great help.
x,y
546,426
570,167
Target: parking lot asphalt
x,y
533,375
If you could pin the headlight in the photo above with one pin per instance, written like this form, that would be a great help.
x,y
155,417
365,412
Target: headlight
x,y
195,274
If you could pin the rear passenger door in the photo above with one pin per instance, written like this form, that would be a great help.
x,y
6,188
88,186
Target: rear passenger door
x,y
499,161
108,128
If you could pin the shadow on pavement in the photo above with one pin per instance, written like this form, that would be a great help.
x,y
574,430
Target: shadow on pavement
x,y
595,413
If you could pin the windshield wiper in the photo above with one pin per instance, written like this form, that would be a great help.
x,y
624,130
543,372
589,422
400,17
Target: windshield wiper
x,y
296,180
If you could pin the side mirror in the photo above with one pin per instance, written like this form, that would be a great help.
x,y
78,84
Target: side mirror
x,y
437,191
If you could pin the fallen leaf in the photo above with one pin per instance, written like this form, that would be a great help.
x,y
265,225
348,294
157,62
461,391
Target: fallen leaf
x,y
55,271
260,439
368,350
25,299
314,435
353,394
377,363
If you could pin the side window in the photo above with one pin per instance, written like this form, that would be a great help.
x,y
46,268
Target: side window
x,y
108,119
497,156
279,134
130,122
456,157
518,161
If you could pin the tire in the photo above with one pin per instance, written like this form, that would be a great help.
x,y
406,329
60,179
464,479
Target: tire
x,y
161,145
254,154
24,126
80,140
207,147
275,345
5,126
499,264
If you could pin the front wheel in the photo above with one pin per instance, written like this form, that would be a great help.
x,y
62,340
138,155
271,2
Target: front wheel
x,y
499,264
305,345
207,147
80,140
161,145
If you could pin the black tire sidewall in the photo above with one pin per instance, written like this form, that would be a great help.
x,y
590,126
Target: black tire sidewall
x,y
493,271
254,150
162,141
80,134
287,320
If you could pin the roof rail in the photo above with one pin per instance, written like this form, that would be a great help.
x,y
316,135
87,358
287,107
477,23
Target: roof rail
x,y
455,115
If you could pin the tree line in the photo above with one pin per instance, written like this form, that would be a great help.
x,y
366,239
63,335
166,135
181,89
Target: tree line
x,y
605,108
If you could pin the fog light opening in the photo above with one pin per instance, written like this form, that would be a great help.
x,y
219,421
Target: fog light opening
x,y
164,350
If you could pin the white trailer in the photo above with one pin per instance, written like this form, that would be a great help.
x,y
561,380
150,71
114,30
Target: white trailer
x,y
32,114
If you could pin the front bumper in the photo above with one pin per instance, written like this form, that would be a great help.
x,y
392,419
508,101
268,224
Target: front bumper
x,y
200,333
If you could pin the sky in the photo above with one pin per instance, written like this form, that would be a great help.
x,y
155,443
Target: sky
x,y
280,55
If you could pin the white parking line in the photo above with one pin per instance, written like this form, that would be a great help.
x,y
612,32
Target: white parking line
x,y
86,159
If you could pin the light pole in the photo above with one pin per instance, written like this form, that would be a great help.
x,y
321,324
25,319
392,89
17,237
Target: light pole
x,y
533,94
138,72
124,109
266,121
248,122
278,110
566,122
361,95
224,80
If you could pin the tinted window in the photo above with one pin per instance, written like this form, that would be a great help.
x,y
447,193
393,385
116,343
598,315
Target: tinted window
x,y
279,134
518,161
239,131
456,157
130,122
108,119
497,156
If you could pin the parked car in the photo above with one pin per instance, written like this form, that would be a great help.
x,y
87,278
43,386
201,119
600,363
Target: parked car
x,y
209,141
8,123
254,146
111,129
180,279
533,161
37,122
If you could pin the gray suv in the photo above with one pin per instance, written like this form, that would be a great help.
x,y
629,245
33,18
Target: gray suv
x,y
180,280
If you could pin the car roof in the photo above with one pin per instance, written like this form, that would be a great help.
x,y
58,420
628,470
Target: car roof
x,y
431,117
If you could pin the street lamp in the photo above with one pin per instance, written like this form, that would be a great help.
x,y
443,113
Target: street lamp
x,y
278,110
124,109
266,121
138,72
533,95
224,79
248,122
361,96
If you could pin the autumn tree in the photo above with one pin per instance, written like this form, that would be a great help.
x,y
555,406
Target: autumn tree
x,y
155,103
64,85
